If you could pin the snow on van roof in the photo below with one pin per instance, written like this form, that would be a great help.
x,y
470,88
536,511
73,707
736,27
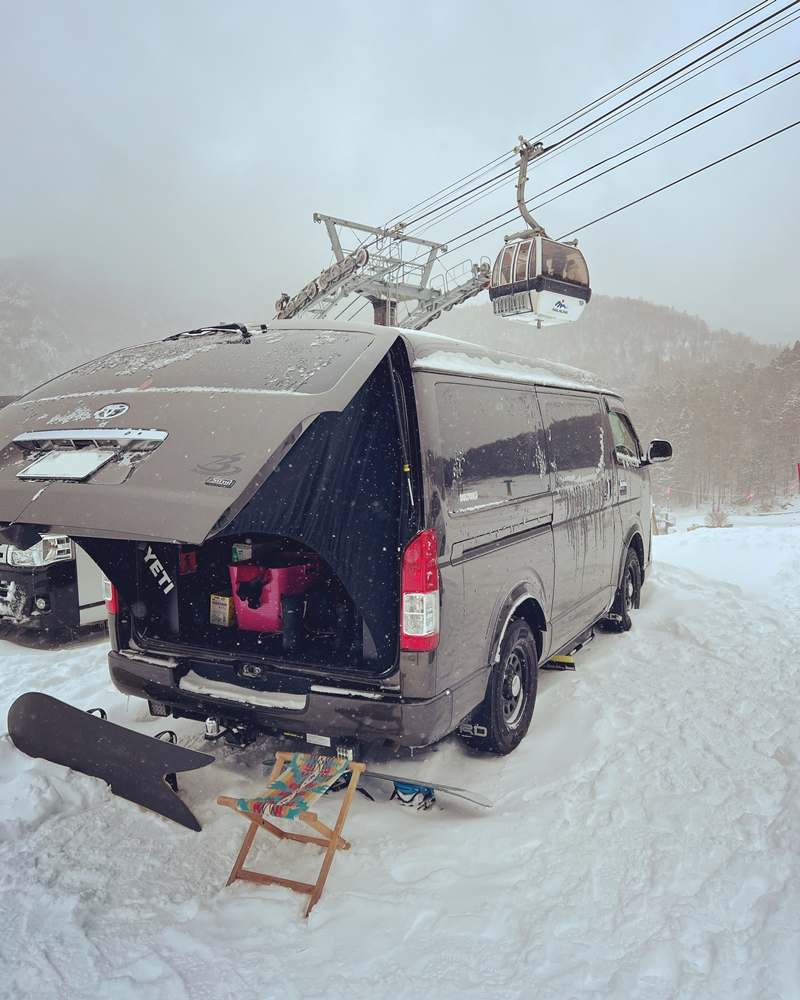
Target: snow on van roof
x,y
433,352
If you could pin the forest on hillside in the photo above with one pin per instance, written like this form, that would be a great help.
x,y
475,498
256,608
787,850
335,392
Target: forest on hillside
x,y
736,434
629,342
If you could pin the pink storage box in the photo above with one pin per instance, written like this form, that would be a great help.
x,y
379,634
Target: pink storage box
x,y
299,571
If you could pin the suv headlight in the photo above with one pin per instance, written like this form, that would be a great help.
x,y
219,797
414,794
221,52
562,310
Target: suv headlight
x,y
51,548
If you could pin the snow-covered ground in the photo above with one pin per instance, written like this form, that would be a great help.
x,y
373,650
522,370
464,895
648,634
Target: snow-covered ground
x,y
644,842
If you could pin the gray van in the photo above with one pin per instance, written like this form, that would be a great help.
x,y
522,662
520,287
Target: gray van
x,y
338,532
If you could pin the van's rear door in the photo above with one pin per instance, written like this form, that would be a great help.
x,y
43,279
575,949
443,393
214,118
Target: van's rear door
x,y
176,435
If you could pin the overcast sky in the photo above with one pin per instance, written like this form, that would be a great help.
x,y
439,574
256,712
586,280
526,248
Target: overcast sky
x,y
187,144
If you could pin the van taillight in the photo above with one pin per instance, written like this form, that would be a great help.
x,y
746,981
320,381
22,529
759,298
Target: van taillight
x,y
419,624
111,597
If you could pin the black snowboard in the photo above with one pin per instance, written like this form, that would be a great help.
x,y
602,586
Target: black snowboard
x,y
134,765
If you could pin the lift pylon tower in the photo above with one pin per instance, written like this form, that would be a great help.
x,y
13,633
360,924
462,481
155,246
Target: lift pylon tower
x,y
390,269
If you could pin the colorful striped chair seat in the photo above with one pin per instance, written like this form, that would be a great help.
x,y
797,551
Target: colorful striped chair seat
x,y
295,790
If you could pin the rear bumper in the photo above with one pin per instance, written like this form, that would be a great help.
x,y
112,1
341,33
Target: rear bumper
x,y
323,710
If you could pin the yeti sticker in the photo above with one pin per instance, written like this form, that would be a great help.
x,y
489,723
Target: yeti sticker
x,y
155,568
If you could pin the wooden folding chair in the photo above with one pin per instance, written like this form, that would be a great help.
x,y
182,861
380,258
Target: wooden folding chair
x,y
288,795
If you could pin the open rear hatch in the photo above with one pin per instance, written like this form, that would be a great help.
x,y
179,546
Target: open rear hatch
x,y
307,574
169,441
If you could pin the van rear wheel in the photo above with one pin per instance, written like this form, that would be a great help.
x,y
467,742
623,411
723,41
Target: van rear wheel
x,y
503,718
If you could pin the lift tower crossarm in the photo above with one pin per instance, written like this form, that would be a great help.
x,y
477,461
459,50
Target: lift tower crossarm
x,y
397,233
333,236
376,269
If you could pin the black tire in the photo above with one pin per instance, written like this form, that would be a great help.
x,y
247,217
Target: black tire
x,y
503,718
628,595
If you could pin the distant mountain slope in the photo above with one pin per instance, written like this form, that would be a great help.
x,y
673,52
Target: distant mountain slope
x,y
630,342
52,319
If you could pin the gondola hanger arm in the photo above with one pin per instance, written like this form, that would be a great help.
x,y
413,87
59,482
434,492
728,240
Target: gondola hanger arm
x,y
527,151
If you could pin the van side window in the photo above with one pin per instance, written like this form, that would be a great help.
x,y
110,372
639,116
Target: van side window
x,y
492,445
626,447
574,437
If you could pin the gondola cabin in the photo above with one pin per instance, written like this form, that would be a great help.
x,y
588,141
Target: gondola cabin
x,y
540,281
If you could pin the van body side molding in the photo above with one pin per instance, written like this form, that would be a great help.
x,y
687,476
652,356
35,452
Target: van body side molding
x,y
472,548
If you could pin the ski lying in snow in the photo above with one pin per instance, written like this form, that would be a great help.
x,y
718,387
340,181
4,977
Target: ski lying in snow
x,y
408,785
134,765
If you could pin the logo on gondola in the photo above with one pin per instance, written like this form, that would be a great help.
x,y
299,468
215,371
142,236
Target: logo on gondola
x,y
111,411
561,306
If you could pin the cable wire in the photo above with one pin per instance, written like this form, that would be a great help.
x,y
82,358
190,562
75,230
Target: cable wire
x,y
637,100
654,69
597,102
664,187
664,142
436,210
680,180
536,207
667,90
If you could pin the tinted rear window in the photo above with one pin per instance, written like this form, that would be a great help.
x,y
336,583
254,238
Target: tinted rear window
x,y
574,436
306,361
311,362
492,445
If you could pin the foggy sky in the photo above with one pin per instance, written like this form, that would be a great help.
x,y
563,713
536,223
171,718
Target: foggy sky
x,y
186,145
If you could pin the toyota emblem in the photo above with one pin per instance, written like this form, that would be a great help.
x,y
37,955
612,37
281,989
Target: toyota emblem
x,y
111,411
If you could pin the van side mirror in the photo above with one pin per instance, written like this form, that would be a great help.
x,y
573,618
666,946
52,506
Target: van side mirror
x,y
659,451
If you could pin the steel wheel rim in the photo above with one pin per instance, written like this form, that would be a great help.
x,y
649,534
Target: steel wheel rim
x,y
630,590
513,694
